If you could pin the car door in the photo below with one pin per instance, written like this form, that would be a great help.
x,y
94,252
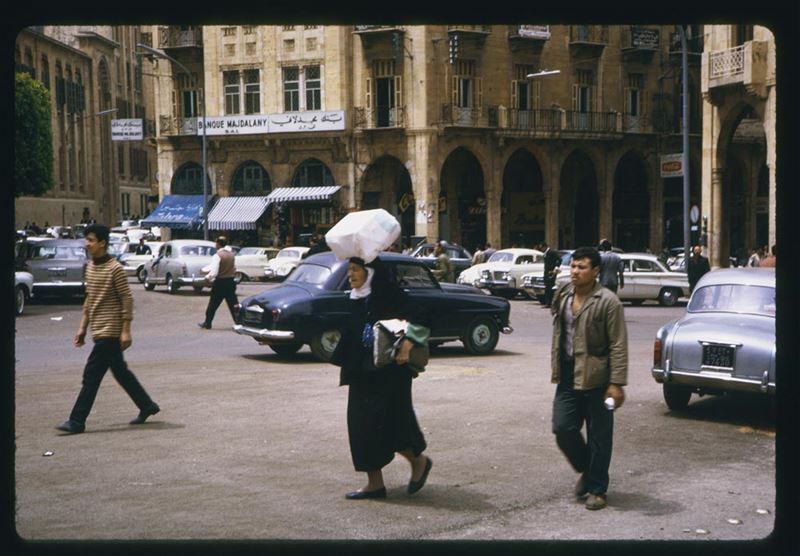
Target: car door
x,y
424,291
160,269
72,259
647,282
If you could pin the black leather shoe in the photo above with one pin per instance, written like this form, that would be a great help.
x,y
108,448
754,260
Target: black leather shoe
x,y
203,325
145,413
365,494
71,427
414,486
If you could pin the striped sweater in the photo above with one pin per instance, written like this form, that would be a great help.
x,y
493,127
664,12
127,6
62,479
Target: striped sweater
x,y
108,298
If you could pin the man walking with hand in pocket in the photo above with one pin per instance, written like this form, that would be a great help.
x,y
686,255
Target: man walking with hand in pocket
x,y
108,308
221,273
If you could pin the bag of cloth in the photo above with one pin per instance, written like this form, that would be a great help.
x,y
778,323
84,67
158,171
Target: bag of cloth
x,y
387,336
363,234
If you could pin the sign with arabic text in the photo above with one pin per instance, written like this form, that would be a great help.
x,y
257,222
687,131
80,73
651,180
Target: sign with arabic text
x,y
127,129
306,121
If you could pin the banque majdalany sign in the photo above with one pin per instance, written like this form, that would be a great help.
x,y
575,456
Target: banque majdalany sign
x,y
273,123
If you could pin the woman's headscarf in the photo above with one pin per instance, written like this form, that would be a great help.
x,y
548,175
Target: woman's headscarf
x,y
366,288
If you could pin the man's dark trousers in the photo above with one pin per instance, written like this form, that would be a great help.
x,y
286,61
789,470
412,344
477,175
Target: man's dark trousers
x,y
107,352
549,291
223,288
593,456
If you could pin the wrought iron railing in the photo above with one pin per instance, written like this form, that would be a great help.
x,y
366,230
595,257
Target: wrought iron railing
x,y
469,116
547,119
471,28
591,121
172,125
726,62
378,118
178,37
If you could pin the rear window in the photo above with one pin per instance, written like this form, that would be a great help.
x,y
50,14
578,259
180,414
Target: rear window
x,y
198,250
733,298
289,253
309,274
61,252
249,251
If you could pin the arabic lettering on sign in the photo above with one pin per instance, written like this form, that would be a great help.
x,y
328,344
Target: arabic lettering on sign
x,y
307,121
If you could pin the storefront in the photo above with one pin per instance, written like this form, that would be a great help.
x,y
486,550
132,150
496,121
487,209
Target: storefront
x,y
182,215
303,211
245,220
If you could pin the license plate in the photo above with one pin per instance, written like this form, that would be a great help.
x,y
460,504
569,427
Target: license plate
x,y
718,356
57,272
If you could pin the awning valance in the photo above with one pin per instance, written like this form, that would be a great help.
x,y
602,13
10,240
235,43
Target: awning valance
x,y
181,212
236,213
293,194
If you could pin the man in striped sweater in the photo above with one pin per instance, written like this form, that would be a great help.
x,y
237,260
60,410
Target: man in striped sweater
x,y
109,309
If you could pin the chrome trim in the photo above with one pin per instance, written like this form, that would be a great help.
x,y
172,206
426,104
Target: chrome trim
x,y
718,381
254,309
507,329
264,334
765,382
57,284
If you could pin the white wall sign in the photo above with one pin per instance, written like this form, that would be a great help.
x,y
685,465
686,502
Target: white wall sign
x,y
234,125
272,123
127,130
672,165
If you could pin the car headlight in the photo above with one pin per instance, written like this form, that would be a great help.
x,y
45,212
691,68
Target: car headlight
x,y
506,276
485,273
527,281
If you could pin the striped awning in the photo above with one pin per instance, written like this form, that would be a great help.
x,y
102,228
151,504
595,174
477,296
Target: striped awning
x,y
236,213
293,194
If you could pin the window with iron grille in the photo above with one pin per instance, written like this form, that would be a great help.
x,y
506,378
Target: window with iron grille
x,y
229,31
291,89
313,86
633,94
252,91
45,71
250,179
231,90
248,29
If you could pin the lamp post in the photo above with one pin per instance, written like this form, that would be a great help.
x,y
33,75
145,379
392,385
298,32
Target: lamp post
x,y
685,155
161,54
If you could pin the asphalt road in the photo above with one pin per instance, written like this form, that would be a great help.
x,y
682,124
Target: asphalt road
x,y
249,446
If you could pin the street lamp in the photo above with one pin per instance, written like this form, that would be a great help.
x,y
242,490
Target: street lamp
x,y
685,156
543,73
161,54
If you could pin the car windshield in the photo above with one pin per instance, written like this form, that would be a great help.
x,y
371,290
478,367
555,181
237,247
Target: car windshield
x,y
500,257
58,252
289,253
309,274
733,298
249,251
198,250
566,259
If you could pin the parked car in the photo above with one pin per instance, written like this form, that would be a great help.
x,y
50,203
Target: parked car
x,y
502,273
57,265
250,262
679,263
459,257
284,262
310,305
134,264
180,263
646,277
533,282
23,289
725,341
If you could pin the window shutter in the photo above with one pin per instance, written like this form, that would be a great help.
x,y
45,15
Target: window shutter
x,y
479,95
536,93
175,103
455,91
369,93
643,108
398,91
514,85
593,100
626,97
575,93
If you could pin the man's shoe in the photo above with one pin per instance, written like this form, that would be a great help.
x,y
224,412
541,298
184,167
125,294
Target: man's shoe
x,y
414,486
204,325
366,494
71,427
596,502
145,413
582,486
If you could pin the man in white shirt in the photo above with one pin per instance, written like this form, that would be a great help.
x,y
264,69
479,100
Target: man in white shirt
x,y
221,273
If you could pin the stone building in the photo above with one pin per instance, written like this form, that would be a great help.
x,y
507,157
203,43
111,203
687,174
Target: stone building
x,y
439,124
738,86
94,76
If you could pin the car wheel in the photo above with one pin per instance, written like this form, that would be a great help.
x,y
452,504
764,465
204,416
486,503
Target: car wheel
x,y
286,350
140,274
481,336
148,285
238,277
19,294
637,302
677,396
198,289
668,297
323,343
172,287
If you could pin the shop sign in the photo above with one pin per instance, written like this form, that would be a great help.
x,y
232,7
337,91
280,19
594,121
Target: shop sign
x,y
272,123
130,129
672,165
641,37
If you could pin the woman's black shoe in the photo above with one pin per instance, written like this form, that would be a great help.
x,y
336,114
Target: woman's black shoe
x,y
364,494
414,486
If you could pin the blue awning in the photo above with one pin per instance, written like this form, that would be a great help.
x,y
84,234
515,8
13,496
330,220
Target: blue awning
x,y
181,212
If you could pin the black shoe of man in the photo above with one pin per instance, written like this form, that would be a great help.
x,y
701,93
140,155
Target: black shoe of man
x,y
72,427
145,413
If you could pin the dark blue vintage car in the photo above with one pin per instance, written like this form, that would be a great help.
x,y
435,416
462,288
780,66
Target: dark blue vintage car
x,y
311,305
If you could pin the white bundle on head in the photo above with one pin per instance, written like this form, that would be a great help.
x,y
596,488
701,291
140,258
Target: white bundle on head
x,y
363,234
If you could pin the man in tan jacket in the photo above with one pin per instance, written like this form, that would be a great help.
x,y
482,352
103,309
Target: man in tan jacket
x,y
589,356
221,273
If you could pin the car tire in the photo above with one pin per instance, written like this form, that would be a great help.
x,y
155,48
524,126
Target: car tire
x,y
677,396
172,287
140,274
637,302
506,294
149,286
668,297
20,295
198,289
286,350
323,344
239,277
481,336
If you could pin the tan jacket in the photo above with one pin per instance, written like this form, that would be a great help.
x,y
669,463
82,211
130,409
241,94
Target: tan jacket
x,y
601,339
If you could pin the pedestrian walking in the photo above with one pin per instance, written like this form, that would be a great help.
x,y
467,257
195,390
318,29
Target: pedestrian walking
x,y
108,309
488,252
478,256
611,268
444,267
589,357
696,267
755,258
380,415
552,261
769,261
221,274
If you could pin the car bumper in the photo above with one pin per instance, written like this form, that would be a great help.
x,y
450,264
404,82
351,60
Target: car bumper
x,y
264,335
194,281
714,381
130,270
44,288
495,284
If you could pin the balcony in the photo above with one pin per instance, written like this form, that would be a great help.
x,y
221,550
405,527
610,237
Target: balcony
x,y
528,37
744,65
638,44
382,36
174,126
588,35
602,122
378,118
462,116
548,119
470,29
375,29
180,37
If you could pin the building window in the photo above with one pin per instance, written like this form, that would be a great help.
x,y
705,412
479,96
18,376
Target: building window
x,y
583,91
313,86
291,89
62,167
188,180
125,204
45,71
250,49
229,31
633,94
312,173
248,29
187,95
231,87
288,27
311,44
384,94
466,89
307,27
252,91
121,159
143,204
524,92
230,50
250,179
288,45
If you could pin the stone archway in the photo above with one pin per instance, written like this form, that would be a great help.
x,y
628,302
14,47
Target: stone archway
x,y
462,200
523,203
387,184
630,205
250,178
578,202
188,180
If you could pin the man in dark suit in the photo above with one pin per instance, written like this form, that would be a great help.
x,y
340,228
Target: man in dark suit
x,y
552,260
